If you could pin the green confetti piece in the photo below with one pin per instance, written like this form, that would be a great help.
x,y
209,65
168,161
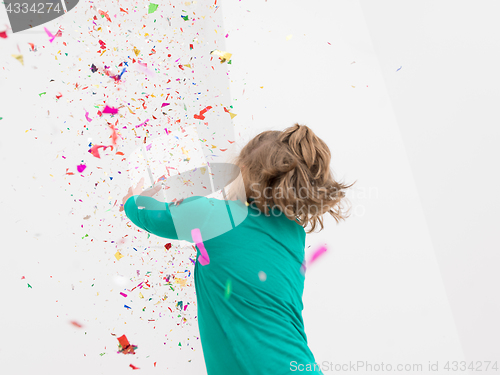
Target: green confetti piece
x,y
180,343
29,286
152,8
101,354
185,18
228,289
43,93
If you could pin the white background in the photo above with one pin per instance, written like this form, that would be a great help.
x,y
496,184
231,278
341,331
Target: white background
x,y
405,95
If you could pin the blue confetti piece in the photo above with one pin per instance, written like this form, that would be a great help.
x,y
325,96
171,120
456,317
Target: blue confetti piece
x,y
128,307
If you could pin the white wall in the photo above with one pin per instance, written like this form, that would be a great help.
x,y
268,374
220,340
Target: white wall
x,y
403,93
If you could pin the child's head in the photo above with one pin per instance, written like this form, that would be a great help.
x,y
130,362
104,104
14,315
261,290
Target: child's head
x,y
290,169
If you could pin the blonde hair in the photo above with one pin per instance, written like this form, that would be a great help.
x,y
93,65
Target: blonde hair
x,y
293,159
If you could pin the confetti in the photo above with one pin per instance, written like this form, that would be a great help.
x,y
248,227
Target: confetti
x,y
19,58
80,168
200,116
76,324
228,289
125,346
203,259
223,56
134,367
118,255
152,8
58,34
317,254
102,13
3,34
94,150
87,117
110,110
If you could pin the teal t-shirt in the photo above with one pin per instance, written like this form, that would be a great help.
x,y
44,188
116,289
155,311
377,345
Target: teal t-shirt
x,y
250,294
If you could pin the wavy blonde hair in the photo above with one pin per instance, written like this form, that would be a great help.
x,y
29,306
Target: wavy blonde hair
x,y
278,166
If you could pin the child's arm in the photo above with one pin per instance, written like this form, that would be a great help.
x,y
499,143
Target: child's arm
x,y
173,220
154,218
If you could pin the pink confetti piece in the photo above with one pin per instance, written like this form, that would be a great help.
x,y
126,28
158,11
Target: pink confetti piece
x,y
317,254
165,104
144,123
87,117
148,147
123,294
94,150
110,110
58,34
80,168
143,69
203,259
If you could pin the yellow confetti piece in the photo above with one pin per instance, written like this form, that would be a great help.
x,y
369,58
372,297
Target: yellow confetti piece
x,y
188,65
136,51
140,295
118,255
224,56
203,170
289,37
19,58
233,115
181,282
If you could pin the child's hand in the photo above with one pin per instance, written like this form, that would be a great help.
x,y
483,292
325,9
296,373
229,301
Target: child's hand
x,y
138,191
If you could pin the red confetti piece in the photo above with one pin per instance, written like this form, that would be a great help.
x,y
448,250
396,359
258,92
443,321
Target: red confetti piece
x,y
123,341
105,14
114,134
76,324
200,116
3,34
134,367
168,246
94,150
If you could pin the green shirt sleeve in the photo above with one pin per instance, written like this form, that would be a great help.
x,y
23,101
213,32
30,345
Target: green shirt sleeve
x,y
168,220
155,217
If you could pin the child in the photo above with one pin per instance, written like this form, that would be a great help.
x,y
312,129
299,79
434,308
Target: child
x,y
249,291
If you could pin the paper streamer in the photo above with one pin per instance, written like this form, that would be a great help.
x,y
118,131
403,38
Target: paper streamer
x,y
203,259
